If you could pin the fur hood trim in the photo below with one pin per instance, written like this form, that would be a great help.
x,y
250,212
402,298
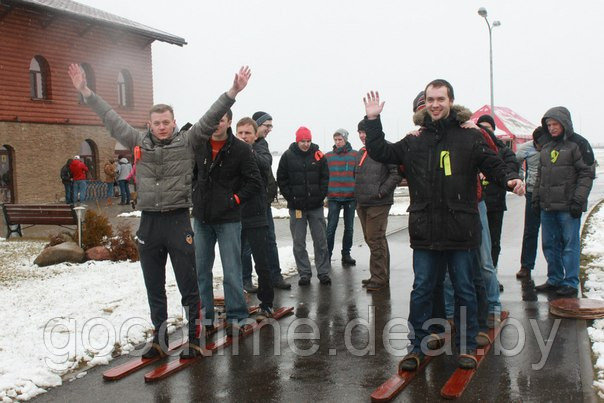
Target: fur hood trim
x,y
462,114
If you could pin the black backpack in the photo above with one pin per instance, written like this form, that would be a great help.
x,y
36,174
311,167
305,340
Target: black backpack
x,y
66,173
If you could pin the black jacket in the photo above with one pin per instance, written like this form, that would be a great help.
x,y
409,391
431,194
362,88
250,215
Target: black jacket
x,y
566,167
494,195
234,171
253,211
441,165
303,177
265,163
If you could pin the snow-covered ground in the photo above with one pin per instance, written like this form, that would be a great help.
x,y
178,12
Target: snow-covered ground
x,y
59,320
593,247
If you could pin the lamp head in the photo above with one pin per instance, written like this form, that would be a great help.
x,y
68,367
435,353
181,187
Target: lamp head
x,y
496,23
482,12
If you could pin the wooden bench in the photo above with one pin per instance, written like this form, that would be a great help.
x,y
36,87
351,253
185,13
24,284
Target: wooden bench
x,y
16,215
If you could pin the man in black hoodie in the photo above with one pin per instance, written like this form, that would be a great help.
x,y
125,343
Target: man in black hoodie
x,y
303,177
564,180
444,227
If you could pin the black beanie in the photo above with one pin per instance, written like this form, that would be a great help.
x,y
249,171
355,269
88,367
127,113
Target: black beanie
x,y
361,126
261,117
487,118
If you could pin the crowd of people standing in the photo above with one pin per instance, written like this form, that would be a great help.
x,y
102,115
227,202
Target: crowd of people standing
x,y
458,174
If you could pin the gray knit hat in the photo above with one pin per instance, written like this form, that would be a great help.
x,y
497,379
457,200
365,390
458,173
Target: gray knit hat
x,y
342,132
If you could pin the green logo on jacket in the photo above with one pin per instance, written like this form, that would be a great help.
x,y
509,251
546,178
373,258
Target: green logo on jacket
x,y
554,156
445,162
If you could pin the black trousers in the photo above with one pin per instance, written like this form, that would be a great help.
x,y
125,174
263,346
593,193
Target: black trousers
x,y
160,235
495,223
258,241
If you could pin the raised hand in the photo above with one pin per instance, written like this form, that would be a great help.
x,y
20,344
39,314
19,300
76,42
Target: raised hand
x,y
240,81
78,78
373,107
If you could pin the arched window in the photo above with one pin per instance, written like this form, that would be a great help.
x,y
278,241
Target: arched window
x,y
90,78
39,78
124,89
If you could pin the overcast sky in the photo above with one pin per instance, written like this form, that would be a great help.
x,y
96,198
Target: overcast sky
x,y
312,61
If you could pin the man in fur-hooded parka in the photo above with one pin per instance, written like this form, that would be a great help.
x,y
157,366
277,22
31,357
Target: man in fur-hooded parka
x,y
441,166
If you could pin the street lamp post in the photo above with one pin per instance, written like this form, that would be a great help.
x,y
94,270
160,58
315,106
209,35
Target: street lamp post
x,y
483,13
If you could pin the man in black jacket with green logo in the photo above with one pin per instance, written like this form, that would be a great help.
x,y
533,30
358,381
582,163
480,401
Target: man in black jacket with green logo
x,y
441,166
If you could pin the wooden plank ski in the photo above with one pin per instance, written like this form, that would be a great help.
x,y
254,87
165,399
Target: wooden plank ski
x,y
127,368
460,379
399,381
176,365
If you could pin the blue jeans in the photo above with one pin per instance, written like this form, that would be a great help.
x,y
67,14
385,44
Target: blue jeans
x,y
79,190
532,222
488,270
429,267
109,190
124,191
68,192
228,236
560,237
481,296
333,216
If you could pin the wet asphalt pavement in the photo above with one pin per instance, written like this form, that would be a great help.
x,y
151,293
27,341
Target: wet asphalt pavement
x,y
346,363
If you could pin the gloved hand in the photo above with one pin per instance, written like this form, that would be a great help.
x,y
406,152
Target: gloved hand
x,y
576,210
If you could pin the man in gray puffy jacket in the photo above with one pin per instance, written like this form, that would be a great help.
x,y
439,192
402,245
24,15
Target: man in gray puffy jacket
x,y
564,180
164,175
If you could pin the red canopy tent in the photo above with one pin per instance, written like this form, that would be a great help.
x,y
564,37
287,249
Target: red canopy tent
x,y
512,128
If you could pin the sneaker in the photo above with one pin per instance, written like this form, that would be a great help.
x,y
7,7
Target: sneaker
x,y
249,287
524,272
348,261
325,280
304,281
411,362
156,349
265,313
482,339
373,286
545,287
467,361
281,284
191,350
567,291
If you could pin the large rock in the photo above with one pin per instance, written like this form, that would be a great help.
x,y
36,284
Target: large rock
x,y
98,253
65,252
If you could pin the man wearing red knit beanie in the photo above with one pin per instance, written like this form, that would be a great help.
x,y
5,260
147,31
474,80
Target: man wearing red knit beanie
x,y
303,177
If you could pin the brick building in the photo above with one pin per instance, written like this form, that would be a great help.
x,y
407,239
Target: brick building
x,y
43,121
